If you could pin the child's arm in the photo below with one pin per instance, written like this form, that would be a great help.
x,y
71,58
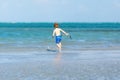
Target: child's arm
x,y
64,32
53,33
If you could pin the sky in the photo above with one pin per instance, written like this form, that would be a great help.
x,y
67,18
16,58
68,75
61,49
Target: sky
x,y
59,10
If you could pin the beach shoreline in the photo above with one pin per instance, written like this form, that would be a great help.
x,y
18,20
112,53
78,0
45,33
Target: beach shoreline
x,y
22,64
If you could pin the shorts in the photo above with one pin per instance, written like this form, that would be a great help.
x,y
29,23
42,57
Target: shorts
x,y
58,39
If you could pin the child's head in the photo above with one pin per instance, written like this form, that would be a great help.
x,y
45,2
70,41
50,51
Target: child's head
x,y
56,25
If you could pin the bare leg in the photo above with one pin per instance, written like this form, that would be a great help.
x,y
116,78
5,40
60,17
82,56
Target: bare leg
x,y
59,46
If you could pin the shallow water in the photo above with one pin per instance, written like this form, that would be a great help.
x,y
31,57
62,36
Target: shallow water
x,y
84,65
91,54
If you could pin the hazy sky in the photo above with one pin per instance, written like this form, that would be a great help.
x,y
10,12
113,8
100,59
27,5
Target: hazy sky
x,y
59,10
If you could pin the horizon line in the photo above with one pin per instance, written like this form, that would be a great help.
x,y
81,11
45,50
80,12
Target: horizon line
x,y
58,22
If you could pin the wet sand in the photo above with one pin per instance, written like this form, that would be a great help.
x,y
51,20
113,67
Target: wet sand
x,y
68,65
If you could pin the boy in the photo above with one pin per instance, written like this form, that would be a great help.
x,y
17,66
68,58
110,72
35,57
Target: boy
x,y
58,35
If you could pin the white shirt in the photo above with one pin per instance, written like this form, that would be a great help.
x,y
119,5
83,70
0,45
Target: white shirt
x,y
57,32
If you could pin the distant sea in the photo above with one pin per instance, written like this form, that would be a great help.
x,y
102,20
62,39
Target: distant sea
x,y
84,35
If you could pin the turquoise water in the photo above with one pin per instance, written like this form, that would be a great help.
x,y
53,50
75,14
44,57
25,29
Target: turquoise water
x,y
84,35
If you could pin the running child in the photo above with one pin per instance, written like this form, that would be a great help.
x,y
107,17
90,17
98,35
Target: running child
x,y
57,33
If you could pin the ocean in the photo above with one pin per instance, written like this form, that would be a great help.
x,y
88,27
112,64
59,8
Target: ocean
x,y
84,35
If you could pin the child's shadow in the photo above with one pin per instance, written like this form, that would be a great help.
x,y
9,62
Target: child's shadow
x,y
51,50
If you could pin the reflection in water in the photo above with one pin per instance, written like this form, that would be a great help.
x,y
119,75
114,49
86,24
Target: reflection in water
x,y
58,63
58,58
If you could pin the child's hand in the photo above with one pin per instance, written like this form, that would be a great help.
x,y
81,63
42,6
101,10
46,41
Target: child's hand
x,y
52,36
67,34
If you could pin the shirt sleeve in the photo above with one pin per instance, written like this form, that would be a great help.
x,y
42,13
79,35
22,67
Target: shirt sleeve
x,y
53,33
63,31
